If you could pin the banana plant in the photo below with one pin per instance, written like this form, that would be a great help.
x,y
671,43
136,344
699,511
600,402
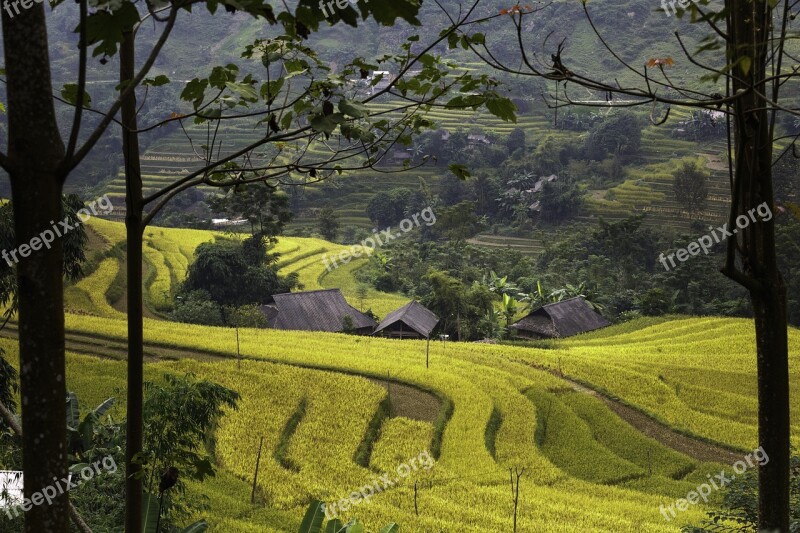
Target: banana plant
x,y
315,517
498,285
509,308
81,432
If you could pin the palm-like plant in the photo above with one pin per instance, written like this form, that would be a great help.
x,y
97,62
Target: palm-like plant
x,y
510,307
498,285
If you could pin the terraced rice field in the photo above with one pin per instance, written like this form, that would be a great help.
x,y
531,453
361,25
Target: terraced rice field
x,y
502,407
168,253
562,413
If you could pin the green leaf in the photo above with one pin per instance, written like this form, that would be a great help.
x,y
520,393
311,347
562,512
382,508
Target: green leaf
x,y
150,510
270,90
103,408
105,28
195,92
73,413
390,528
502,108
334,526
70,93
312,522
353,109
460,171
326,124
745,63
158,81
247,92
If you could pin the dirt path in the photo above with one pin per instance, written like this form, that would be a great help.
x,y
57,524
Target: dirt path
x,y
406,400
695,448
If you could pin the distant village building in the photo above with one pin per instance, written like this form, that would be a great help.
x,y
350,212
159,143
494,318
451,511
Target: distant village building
x,y
412,321
476,139
223,222
559,320
386,79
400,156
323,310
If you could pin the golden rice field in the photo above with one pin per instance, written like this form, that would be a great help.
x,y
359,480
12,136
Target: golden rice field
x,y
588,471
502,407
169,251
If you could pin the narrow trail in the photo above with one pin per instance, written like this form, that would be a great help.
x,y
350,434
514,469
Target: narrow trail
x,y
693,447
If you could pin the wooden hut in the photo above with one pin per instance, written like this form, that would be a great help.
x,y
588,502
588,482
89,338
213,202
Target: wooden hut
x,y
560,319
412,321
324,310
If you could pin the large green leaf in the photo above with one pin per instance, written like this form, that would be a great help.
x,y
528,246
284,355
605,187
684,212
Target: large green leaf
x,y
73,413
103,408
312,522
334,526
390,528
150,509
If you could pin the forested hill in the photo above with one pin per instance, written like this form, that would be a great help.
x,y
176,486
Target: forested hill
x,y
221,38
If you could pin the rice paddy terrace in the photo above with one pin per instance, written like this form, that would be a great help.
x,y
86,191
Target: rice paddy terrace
x,y
647,186
479,409
168,253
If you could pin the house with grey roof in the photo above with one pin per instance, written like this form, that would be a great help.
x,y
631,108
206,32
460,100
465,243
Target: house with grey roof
x,y
412,321
322,310
559,320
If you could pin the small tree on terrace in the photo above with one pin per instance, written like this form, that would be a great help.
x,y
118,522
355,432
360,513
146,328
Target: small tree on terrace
x,y
327,223
690,186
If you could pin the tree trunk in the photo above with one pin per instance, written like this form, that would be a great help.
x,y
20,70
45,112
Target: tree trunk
x,y
754,246
133,224
35,152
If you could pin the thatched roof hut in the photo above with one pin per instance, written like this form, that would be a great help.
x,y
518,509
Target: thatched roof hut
x,y
413,320
560,319
323,310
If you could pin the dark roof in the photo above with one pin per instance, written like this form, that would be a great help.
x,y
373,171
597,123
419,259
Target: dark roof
x,y
414,315
562,319
315,311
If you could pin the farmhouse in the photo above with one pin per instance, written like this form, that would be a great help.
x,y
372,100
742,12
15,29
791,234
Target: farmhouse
x,y
323,310
560,319
412,321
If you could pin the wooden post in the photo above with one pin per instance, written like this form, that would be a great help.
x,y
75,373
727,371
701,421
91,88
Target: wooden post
x,y
238,353
255,476
427,351
515,491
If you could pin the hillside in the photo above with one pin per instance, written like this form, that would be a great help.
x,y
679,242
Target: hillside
x,y
168,253
479,409
501,408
